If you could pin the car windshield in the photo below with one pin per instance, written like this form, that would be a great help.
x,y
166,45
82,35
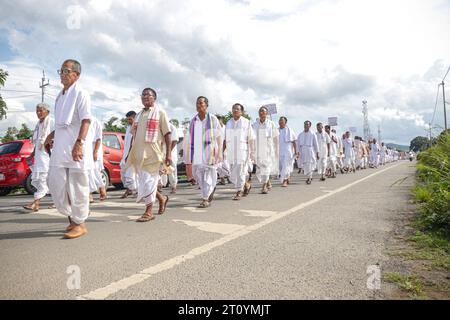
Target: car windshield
x,y
13,147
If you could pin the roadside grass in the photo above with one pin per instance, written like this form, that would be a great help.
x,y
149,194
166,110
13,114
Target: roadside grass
x,y
409,283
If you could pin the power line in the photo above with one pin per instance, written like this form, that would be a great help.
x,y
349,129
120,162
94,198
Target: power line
x,y
25,91
19,97
446,74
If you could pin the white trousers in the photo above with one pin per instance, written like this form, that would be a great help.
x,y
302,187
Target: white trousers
x,y
147,187
70,192
206,176
321,165
39,181
172,177
223,169
286,167
128,177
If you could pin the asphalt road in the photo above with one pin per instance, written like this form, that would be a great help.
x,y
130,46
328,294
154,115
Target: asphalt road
x,y
300,242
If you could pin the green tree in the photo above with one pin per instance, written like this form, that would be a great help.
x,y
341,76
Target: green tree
x,y
3,107
175,122
419,144
111,125
229,115
10,135
24,133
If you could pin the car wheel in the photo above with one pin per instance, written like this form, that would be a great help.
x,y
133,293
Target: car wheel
x,y
27,185
4,191
105,178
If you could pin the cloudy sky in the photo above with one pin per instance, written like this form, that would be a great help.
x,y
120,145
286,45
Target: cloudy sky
x,y
314,59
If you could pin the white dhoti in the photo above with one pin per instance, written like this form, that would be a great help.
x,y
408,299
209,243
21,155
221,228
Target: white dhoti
x,y
95,178
39,181
70,192
206,176
286,167
128,177
308,168
147,187
238,175
223,169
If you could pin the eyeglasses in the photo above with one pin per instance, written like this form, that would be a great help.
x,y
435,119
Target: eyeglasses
x,y
64,71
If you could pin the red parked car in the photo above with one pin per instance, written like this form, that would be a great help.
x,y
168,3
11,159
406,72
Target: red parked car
x,y
113,145
15,171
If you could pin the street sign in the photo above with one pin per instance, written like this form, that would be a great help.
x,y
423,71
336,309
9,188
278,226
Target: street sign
x,y
332,121
352,129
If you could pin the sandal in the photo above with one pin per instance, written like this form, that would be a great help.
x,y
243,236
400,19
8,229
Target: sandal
x,y
127,193
247,190
146,217
162,207
204,204
238,196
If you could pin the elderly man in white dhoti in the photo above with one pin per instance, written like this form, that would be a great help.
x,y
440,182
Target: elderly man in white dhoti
x,y
382,154
71,157
267,149
96,183
203,149
239,149
308,150
128,176
288,151
323,142
332,159
150,127
349,152
40,167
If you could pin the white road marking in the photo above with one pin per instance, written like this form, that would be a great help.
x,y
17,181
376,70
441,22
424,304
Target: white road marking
x,y
222,228
258,213
55,213
125,283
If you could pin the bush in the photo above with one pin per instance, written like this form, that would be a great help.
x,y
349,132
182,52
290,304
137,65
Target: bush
x,y
433,172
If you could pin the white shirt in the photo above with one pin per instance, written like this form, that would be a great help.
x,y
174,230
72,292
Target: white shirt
x,y
287,137
307,146
237,135
333,146
323,139
199,137
66,136
96,132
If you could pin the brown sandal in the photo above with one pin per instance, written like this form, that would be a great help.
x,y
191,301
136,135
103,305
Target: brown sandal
x,y
146,217
162,207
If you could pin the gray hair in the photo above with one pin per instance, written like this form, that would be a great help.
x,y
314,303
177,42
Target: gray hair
x,y
43,106
76,66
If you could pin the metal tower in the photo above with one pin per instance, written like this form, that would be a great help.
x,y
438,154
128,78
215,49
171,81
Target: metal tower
x,y
365,112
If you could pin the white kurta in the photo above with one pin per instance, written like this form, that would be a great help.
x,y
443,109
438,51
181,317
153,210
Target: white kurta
x,y
287,154
239,139
68,179
267,148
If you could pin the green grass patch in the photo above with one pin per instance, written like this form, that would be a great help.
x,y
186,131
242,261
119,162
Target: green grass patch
x,y
408,283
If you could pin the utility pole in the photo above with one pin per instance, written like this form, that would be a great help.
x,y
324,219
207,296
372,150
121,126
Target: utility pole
x,y
43,84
